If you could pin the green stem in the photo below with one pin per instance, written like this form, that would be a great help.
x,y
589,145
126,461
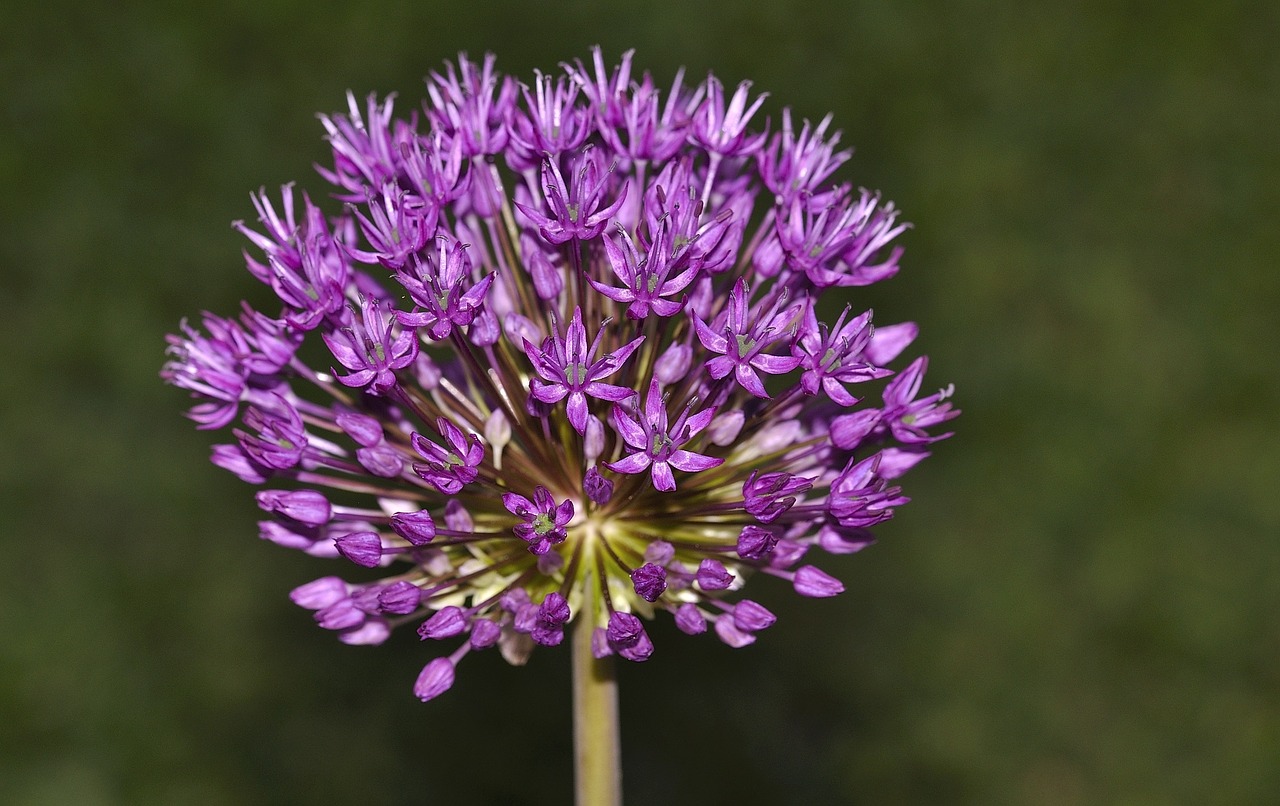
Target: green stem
x,y
597,760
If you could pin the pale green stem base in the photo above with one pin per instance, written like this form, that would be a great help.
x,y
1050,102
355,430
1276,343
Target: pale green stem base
x,y
597,759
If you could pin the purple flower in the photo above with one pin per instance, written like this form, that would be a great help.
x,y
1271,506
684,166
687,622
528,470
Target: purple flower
x,y
306,265
553,124
472,105
221,368
452,468
795,165
646,281
578,208
908,417
442,286
651,258
544,520
369,349
723,131
766,496
741,347
569,368
658,447
365,148
639,124
833,356
280,440
860,498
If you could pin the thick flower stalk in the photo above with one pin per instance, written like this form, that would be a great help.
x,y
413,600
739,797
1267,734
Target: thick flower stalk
x,y
559,352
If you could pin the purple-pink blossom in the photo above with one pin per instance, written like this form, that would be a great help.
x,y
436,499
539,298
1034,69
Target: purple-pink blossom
x,y
571,340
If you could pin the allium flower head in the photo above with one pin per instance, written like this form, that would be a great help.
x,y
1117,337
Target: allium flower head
x,y
568,361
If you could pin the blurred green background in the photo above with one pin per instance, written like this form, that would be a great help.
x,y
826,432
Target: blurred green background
x,y
1079,607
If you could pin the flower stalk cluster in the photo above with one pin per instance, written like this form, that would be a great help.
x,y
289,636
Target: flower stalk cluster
x,y
559,352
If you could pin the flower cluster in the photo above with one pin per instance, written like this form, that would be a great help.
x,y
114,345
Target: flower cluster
x,y
568,360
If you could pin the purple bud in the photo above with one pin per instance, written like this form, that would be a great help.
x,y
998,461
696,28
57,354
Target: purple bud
x,y
526,619
444,623
755,542
724,429
365,430
303,506
554,609
600,644
234,459
890,340
319,593
536,409
894,462
848,430
787,553
342,614
837,539
514,599
673,365
419,528
361,548
548,564
778,436
399,598
752,617
427,372
382,460
497,430
457,518
597,487
731,635
289,534
811,582
702,299
660,552
366,599
649,581
547,281
712,575
689,619
484,633
553,613
484,329
627,637
593,439
373,632
520,329
436,678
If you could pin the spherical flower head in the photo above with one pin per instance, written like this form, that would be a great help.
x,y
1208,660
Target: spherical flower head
x,y
573,370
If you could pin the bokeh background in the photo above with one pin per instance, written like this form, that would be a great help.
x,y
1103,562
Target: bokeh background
x,y
1079,607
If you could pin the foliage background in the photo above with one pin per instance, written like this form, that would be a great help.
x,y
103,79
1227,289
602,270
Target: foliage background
x,y
1080,606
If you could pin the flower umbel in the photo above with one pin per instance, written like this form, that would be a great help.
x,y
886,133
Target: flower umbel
x,y
572,364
